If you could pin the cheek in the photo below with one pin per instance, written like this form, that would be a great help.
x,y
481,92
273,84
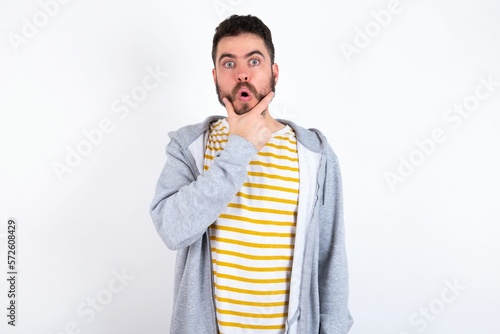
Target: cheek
x,y
264,82
223,83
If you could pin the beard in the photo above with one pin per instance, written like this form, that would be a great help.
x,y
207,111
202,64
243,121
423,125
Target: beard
x,y
232,96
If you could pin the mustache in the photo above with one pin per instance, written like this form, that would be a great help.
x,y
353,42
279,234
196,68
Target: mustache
x,y
250,87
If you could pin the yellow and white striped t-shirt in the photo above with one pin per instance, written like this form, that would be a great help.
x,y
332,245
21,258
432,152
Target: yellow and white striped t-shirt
x,y
253,239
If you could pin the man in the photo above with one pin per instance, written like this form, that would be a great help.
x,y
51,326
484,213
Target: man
x,y
254,207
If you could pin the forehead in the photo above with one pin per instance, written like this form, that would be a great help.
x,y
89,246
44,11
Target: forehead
x,y
241,44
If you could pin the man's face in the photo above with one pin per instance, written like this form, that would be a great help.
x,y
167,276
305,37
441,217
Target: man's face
x,y
243,71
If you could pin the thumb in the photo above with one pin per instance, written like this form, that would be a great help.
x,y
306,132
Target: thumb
x,y
229,107
263,104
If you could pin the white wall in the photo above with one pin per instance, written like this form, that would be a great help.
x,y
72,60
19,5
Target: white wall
x,y
423,248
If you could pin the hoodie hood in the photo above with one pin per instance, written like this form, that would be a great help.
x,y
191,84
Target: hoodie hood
x,y
312,139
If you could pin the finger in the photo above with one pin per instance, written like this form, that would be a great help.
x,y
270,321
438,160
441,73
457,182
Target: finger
x,y
229,107
263,104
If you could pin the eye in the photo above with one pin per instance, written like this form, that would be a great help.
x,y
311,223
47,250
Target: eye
x,y
229,64
254,62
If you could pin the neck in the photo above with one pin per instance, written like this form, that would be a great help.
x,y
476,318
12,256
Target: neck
x,y
273,124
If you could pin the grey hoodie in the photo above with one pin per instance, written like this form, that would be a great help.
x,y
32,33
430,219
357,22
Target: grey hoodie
x,y
188,201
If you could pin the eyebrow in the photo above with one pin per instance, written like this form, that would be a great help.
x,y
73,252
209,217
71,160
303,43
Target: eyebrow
x,y
251,53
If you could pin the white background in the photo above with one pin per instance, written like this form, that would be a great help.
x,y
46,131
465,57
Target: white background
x,y
436,227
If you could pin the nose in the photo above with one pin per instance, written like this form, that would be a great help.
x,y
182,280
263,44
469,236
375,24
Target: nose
x,y
242,77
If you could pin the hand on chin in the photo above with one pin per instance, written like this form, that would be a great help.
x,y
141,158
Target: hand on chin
x,y
243,107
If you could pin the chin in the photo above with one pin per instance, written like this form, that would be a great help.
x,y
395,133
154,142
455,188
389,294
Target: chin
x,y
243,108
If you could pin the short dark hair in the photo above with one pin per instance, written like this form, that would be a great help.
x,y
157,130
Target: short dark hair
x,y
238,24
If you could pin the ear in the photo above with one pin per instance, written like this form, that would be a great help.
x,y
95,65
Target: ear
x,y
214,74
276,72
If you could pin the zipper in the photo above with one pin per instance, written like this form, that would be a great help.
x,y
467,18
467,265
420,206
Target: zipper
x,y
212,278
310,244
192,163
209,246
194,169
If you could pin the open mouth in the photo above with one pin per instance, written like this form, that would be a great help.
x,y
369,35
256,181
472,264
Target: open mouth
x,y
244,94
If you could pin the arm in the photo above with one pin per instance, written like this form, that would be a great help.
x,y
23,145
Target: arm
x,y
333,273
185,204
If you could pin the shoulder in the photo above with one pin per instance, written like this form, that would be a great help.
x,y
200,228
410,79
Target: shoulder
x,y
313,139
187,134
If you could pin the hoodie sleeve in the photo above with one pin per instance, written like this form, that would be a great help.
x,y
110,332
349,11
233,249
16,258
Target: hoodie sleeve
x,y
333,286
187,203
